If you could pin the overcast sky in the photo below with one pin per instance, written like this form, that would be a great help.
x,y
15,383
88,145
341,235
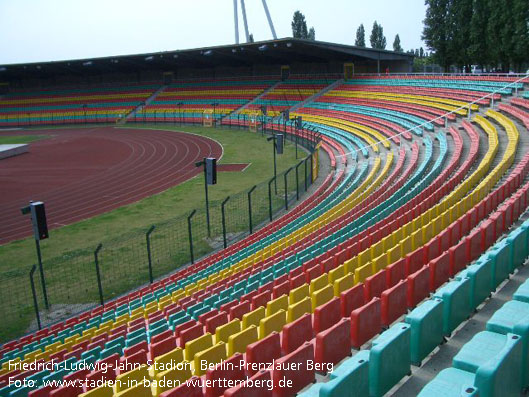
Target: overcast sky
x,y
50,30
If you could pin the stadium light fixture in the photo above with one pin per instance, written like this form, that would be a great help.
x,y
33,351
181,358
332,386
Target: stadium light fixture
x,y
2,69
210,178
88,63
289,44
149,58
208,53
263,47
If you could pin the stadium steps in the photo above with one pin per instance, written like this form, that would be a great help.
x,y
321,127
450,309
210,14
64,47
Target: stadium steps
x,y
317,95
141,106
262,94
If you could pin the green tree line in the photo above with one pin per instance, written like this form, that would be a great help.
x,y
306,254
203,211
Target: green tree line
x,y
488,33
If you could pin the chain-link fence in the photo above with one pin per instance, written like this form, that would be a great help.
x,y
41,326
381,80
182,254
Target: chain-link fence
x,y
80,280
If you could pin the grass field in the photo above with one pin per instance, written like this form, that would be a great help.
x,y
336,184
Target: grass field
x,y
70,274
13,140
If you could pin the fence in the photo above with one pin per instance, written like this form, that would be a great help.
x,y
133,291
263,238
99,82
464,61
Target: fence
x,y
82,279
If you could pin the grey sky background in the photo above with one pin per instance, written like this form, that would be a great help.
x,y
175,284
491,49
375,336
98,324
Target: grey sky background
x,y
50,30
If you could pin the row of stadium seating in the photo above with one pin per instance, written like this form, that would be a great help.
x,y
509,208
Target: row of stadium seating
x,y
91,105
374,240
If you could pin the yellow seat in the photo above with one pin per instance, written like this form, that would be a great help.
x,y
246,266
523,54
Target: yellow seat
x,y
237,342
213,355
272,323
131,378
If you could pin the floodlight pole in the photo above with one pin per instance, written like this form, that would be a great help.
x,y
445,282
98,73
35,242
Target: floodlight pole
x,y
198,164
243,7
236,20
265,6
273,138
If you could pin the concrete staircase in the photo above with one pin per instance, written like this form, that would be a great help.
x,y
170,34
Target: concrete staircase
x,y
141,106
316,95
262,94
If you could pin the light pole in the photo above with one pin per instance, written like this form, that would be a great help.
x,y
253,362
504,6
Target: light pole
x,y
277,147
210,178
214,104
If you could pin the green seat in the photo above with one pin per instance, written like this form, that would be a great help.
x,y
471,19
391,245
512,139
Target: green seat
x,y
496,361
426,323
513,317
522,293
480,278
390,359
456,306
451,382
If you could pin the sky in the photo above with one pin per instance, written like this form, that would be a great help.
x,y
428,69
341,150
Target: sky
x,y
52,30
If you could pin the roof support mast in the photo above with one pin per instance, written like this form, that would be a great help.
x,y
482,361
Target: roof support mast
x,y
236,18
245,21
269,19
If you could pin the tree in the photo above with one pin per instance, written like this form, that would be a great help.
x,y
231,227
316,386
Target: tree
x,y
520,37
436,31
377,38
360,36
396,44
251,40
312,34
477,49
421,52
458,31
299,26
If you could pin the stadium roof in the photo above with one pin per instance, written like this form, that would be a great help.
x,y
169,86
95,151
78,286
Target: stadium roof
x,y
281,51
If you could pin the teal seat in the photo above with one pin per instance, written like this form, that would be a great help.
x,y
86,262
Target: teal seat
x,y
426,323
513,317
499,255
522,293
451,382
390,359
456,306
480,278
496,361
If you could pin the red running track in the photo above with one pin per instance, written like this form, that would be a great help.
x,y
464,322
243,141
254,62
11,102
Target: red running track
x,y
80,173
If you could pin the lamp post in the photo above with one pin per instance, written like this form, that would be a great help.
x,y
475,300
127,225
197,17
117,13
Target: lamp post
x,y
277,147
210,178
214,104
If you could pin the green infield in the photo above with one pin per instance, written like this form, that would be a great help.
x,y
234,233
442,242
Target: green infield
x,y
69,252
17,139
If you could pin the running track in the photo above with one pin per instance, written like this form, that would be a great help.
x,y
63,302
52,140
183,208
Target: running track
x,y
80,173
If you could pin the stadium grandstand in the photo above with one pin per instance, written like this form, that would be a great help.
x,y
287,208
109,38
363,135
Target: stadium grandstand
x,y
400,272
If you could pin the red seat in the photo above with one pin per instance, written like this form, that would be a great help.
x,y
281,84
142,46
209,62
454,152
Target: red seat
x,y
365,323
182,327
42,392
414,261
393,303
395,272
162,336
263,351
333,344
230,370
474,247
163,346
351,299
239,310
261,299
190,334
312,273
215,321
374,285
98,377
281,289
458,257
297,281
204,317
130,362
418,286
439,271
293,367
327,315
296,333
136,348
